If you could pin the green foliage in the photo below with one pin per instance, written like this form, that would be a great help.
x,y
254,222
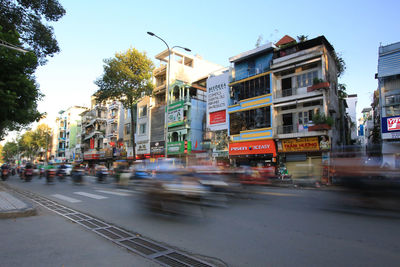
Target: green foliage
x,y
320,118
126,77
342,94
317,81
302,38
19,92
27,18
9,151
340,64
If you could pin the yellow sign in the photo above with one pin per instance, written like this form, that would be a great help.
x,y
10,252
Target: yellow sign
x,y
300,145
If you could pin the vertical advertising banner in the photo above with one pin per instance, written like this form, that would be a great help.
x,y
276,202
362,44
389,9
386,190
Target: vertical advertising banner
x,y
217,102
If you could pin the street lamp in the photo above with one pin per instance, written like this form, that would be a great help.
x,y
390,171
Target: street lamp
x,y
167,91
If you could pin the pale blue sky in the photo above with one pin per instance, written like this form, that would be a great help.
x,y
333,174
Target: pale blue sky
x,y
93,30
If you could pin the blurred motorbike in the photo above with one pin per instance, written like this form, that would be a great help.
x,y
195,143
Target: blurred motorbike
x,y
50,174
77,176
28,174
4,174
101,175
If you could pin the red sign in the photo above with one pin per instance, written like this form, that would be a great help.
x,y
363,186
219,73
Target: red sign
x,y
393,124
253,147
218,117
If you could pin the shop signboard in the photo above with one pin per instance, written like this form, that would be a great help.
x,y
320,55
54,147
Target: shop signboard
x,y
175,114
300,145
157,148
391,127
217,102
252,148
180,147
143,148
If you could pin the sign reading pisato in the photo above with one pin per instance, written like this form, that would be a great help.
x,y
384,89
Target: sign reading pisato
x,y
252,148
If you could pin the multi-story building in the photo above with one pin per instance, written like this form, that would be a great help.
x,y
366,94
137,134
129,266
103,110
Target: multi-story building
x,y
60,134
143,128
251,115
94,122
184,70
306,114
351,101
73,133
389,101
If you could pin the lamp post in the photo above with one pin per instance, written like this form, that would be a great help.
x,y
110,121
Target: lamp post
x,y
167,91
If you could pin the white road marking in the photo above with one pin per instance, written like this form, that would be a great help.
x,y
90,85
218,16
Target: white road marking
x,y
69,199
114,193
90,195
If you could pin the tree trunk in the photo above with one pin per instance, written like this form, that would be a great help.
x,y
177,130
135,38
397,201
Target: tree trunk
x,y
133,131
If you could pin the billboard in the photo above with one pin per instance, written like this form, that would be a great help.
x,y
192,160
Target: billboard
x,y
217,102
253,147
391,127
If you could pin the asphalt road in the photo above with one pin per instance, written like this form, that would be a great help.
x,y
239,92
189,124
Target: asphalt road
x,y
272,227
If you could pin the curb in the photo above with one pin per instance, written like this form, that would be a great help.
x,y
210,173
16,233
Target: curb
x,y
29,210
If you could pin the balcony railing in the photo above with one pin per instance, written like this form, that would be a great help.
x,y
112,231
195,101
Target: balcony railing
x,y
287,129
286,92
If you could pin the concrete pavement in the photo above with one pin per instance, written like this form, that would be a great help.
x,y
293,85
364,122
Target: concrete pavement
x,y
12,206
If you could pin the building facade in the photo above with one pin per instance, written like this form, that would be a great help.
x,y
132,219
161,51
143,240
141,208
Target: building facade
x,y
305,106
389,101
251,115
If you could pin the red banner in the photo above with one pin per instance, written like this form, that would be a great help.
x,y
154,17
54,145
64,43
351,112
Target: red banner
x,y
218,117
91,143
253,147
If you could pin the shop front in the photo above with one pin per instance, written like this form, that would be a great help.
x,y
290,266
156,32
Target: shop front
x,y
157,149
305,158
253,153
143,150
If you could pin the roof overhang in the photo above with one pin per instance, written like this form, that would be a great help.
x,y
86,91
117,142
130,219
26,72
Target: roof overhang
x,y
252,52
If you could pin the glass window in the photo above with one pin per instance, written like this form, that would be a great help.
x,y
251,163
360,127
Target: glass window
x,y
142,128
250,119
143,111
252,88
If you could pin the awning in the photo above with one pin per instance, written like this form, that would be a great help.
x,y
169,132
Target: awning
x,y
296,65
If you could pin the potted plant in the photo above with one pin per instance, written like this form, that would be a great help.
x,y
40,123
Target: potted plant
x,y
321,122
318,84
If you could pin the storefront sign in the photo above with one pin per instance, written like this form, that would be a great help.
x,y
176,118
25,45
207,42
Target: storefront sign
x,y
217,101
391,127
175,116
179,147
218,117
254,147
157,148
143,148
301,145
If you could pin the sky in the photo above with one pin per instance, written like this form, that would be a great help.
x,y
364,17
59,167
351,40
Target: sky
x,y
92,31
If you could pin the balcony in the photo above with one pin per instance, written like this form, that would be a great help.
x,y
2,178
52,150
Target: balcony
x,y
294,131
286,92
246,73
113,106
160,70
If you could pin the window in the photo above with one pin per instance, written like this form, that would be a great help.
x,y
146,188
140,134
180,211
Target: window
x,y
250,119
175,137
142,128
312,103
143,111
289,107
251,88
306,79
128,128
393,99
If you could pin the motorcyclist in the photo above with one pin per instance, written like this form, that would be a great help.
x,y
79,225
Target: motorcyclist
x,y
4,171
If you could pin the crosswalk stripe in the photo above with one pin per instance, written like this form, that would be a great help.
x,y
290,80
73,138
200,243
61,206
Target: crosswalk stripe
x,y
90,195
69,199
113,193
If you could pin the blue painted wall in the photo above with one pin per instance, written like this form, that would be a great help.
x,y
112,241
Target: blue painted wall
x,y
198,111
262,63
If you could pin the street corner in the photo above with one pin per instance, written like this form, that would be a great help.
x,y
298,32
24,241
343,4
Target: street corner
x,y
13,207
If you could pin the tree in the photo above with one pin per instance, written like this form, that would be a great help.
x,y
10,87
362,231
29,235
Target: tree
x,y
19,92
302,38
126,78
27,18
10,151
22,25
340,64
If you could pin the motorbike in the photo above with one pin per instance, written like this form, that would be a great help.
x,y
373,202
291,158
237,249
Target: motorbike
x,y
101,175
41,173
50,174
61,173
77,176
28,173
4,174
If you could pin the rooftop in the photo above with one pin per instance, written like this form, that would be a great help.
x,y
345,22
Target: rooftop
x,y
251,52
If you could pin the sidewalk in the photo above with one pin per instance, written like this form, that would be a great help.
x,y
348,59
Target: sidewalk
x,y
11,206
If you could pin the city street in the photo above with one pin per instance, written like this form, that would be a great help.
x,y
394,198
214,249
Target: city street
x,y
272,227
